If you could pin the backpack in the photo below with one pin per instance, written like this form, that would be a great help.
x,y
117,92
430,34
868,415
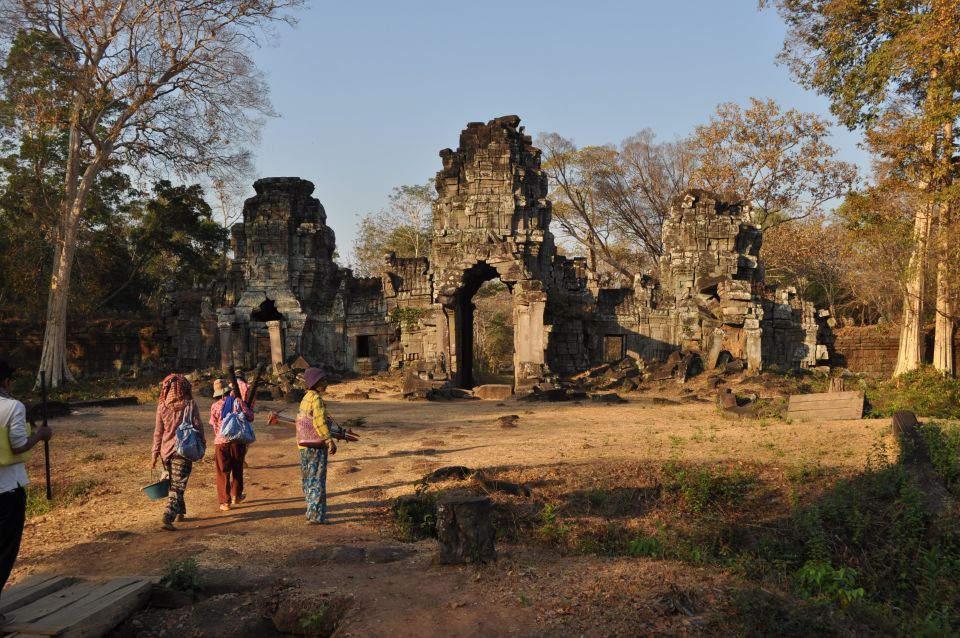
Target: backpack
x,y
189,444
234,425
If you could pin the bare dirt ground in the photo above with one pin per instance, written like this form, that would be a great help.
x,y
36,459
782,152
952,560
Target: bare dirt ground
x,y
261,557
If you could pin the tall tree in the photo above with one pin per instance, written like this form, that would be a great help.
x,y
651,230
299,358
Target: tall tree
x,y
166,85
172,238
892,69
640,188
779,160
404,227
577,175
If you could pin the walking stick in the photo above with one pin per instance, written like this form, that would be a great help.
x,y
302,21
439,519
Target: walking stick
x,y
46,444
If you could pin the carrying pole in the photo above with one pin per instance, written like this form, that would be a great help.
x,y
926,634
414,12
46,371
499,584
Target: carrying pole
x,y
46,444
252,389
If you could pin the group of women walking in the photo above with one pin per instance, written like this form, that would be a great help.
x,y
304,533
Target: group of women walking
x,y
176,406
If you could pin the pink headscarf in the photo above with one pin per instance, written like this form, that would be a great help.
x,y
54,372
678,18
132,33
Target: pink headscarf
x,y
175,390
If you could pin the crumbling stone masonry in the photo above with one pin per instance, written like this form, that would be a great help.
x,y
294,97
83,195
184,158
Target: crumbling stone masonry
x,y
283,295
284,291
491,219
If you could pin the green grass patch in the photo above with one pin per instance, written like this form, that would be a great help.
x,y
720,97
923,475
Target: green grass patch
x,y
37,503
702,487
924,391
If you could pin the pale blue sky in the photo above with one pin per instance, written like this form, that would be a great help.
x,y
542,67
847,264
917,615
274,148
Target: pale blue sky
x,y
369,92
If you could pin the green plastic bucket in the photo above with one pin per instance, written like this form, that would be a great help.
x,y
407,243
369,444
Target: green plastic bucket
x,y
158,490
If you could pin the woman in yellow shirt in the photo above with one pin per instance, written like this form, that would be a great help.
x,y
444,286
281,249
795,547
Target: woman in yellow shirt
x,y
313,454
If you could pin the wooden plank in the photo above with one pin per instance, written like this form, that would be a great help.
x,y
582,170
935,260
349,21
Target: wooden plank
x,y
94,616
19,619
31,590
33,618
826,406
825,415
798,399
808,407
844,407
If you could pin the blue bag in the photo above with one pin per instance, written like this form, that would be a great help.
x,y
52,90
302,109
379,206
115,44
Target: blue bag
x,y
189,444
234,425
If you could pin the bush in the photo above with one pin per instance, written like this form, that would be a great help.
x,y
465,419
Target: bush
x,y
415,516
924,391
943,446
182,575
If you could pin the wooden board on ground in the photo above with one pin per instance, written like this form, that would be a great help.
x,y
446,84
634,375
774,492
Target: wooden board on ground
x,y
826,406
31,590
82,610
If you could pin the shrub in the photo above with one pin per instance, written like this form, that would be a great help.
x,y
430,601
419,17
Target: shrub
x,y
551,528
415,516
182,575
925,391
703,486
818,579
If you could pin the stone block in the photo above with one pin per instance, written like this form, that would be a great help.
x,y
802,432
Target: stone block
x,y
493,391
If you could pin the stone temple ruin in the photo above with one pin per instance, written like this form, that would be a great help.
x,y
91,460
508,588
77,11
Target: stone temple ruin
x,y
285,297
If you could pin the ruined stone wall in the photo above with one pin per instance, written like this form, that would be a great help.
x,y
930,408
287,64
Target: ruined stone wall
x,y
491,220
408,298
283,275
870,350
96,347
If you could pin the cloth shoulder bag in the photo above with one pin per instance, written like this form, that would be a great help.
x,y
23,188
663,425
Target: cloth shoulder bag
x,y
234,425
307,434
189,444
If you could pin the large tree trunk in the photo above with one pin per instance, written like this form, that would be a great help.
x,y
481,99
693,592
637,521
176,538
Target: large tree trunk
x,y
78,182
911,336
943,326
53,359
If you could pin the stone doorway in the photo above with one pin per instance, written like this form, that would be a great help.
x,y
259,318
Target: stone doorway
x,y
468,351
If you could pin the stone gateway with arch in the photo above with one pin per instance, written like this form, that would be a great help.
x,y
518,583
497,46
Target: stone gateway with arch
x,y
285,297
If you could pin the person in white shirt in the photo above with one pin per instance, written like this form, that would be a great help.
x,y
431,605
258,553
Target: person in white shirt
x,y
15,442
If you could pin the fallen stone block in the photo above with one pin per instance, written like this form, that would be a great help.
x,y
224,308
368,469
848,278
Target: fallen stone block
x,y
493,391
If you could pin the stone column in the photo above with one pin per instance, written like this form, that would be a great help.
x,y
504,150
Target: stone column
x,y
529,336
753,346
714,347
225,326
276,345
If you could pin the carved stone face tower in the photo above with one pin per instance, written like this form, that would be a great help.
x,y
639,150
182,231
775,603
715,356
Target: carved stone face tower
x,y
491,219
284,257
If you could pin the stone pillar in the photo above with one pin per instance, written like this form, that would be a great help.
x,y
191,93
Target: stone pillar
x,y
443,320
225,326
276,345
529,337
753,343
714,347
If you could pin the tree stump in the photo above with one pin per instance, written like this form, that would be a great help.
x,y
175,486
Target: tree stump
x,y
837,384
465,529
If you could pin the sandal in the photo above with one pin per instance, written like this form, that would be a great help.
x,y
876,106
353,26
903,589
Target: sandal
x,y
168,525
224,507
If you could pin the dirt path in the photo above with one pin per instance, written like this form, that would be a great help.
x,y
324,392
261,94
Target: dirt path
x,y
108,528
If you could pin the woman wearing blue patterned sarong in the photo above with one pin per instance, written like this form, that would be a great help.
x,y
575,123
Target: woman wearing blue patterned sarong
x,y
313,457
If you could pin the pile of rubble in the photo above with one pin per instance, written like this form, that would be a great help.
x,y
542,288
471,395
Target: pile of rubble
x,y
283,384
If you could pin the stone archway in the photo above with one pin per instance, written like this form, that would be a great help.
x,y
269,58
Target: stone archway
x,y
491,219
